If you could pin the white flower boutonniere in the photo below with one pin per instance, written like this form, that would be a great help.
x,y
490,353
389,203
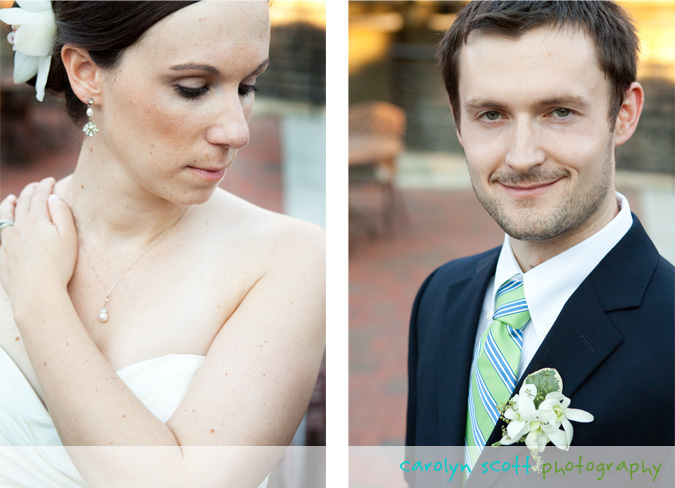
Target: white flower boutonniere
x,y
537,414
32,39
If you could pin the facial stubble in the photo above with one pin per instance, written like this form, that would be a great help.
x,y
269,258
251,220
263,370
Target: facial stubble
x,y
529,222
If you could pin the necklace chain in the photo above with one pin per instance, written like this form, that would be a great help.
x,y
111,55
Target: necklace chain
x,y
103,314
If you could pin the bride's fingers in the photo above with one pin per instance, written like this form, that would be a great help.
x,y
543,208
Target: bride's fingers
x,y
7,211
7,208
38,205
60,215
23,202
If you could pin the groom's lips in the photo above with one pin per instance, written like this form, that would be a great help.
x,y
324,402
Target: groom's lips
x,y
529,190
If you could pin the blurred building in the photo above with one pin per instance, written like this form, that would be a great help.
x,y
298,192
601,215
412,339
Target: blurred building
x,y
297,69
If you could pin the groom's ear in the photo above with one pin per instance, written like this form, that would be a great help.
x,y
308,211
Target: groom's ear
x,y
83,72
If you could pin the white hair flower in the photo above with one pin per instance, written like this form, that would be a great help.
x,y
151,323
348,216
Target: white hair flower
x,y
32,37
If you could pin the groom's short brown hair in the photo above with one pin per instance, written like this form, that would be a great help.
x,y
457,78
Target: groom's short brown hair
x,y
605,22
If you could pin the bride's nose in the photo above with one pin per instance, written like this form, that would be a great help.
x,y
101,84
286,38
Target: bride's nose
x,y
230,124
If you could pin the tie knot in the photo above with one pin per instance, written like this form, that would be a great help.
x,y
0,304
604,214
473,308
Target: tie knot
x,y
510,304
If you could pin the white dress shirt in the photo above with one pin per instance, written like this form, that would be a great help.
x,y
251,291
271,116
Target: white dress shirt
x,y
549,285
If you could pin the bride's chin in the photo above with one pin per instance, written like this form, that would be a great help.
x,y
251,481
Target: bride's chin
x,y
194,197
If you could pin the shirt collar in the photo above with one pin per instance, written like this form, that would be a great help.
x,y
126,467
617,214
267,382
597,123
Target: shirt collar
x,y
545,296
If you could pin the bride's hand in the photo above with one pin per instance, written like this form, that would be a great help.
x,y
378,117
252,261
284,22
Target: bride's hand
x,y
38,252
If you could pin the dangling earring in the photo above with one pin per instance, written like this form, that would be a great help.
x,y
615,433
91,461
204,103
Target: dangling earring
x,y
90,128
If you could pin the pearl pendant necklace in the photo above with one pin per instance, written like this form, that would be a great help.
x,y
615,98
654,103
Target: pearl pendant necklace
x,y
103,315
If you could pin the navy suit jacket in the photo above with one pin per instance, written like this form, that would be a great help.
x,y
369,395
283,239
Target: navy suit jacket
x,y
612,345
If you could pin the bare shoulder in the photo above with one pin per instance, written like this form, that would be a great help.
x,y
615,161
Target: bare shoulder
x,y
277,239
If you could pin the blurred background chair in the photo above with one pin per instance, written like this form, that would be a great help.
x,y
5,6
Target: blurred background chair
x,y
376,133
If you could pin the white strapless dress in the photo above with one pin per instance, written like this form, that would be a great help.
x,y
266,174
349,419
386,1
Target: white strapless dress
x,y
31,453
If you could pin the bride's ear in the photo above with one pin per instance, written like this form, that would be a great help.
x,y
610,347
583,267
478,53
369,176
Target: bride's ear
x,y
83,73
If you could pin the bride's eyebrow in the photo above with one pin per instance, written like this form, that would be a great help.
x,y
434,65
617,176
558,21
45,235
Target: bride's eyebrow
x,y
261,67
213,70
205,67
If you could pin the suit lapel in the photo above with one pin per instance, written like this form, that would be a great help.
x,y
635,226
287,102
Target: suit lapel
x,y
462,312
583,336
580,340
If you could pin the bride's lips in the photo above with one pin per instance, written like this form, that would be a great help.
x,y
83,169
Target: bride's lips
x,y
529,190
208,174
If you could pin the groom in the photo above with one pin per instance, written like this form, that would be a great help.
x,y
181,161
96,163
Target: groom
x,y
542,93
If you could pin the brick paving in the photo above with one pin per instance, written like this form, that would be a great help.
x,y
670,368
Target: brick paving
x,y
385,272
256,173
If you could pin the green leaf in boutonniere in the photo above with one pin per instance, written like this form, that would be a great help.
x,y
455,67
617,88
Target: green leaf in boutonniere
x,y
546,380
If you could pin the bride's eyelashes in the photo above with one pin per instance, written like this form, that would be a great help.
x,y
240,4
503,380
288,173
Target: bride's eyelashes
x,y
191,93
247,90
194,93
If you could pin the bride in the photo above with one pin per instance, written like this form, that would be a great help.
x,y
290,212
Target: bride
x,y
141,305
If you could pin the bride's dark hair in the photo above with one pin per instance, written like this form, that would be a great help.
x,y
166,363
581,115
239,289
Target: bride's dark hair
x,y
105,30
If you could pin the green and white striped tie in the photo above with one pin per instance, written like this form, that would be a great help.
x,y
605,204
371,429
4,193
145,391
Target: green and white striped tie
x,y
493,377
